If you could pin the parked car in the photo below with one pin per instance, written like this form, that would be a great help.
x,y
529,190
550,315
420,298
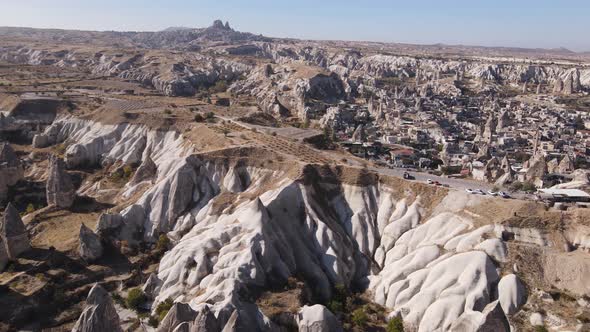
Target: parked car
x,y
429,181
408,176
470,191
479,191
504,195
492,193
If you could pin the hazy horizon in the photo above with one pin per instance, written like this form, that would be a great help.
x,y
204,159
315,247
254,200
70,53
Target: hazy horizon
x,y
526,24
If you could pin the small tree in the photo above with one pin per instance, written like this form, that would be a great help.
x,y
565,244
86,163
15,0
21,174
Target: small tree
x,y
359,317
135,298
163,242
396,324
127,172
30,208
163,308
153,321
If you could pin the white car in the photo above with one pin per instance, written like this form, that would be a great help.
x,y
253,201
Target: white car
x,y
479,191
429,181
470,191
492,193
503,194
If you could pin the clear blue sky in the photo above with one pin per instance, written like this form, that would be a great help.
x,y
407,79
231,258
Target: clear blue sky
x,y
524,23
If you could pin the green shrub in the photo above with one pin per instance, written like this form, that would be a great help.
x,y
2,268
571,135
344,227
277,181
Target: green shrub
x,y
135,298
30,208
396,324
359,317
540,328
336,306
163,242
153,321
127,172
119,300
163,308
516,186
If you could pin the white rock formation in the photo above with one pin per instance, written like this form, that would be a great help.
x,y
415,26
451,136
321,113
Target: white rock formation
x,y
90,246
511,293
317,318
60,190
99,314
13,233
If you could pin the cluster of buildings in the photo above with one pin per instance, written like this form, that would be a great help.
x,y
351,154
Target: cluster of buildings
x,y
482,136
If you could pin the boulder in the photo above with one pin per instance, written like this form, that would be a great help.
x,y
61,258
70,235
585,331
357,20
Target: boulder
x,y
317,318
60,189
536,319
13,233
511,294
41,141
90,246
99,314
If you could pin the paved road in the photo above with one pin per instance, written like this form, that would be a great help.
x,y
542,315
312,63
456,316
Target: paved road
x,y
452,183
423,177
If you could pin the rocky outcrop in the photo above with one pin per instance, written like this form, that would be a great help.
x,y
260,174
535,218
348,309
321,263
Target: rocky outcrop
x,y
147,171
13,233
178,314
492,318
99,315
182,313
511,294
317,318
90,246
60,189
205,322
11,170
151,288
